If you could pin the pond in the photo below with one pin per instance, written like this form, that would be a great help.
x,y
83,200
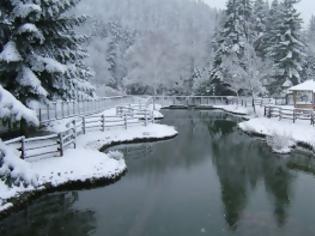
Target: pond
x,y
210,180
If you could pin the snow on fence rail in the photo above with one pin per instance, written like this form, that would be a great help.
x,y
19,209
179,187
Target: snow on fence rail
x,y
290,113
55,144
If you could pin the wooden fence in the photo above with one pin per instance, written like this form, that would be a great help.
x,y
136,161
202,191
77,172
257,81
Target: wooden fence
x,y
55,144
60,110
293,114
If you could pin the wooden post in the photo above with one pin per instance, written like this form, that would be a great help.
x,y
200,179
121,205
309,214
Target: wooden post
x,y
56,112
40,115
83,125
265,111
294,116
145,118
152,114
125,121
74,133
60,141
62,110
48,115
23,148
103,123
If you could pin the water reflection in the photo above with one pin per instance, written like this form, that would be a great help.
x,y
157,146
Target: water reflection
x,y
212,179
53,214
239,169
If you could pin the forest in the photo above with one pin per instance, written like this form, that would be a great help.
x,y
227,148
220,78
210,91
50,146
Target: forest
x,y
77,50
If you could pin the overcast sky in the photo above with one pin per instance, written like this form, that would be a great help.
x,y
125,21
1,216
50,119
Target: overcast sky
x,y
306,7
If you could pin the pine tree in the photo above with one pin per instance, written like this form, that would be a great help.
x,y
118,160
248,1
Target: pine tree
x,y
308,71
260,13
120,40
20,39
311,35
41,55
67,46
288,50
272,27
235,33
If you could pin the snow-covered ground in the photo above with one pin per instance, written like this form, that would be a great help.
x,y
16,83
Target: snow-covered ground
x,y
234,109
84,164
283,134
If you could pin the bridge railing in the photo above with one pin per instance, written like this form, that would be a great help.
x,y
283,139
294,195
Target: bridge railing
x,y
55,144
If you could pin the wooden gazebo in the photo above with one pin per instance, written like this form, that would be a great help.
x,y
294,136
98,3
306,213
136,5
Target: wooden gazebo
x,y
303,95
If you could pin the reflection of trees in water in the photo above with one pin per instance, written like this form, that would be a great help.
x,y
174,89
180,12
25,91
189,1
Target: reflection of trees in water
x,y
50,215
239,169
188,149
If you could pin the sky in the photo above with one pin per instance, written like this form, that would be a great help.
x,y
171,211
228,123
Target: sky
x,y
306,7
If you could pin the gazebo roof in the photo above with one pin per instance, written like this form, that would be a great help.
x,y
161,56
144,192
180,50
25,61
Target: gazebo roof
x,y
308,85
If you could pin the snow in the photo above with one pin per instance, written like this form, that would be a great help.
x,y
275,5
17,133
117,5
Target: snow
x,y
11,108
83,164
10,53
31,28
26,77
234,109
299,132
79,164
48,64
23,10
308,85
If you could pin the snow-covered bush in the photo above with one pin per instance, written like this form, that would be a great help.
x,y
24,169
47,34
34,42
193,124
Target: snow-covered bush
x,y
13,170
280,143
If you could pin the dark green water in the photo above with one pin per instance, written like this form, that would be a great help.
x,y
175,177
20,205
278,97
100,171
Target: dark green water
x,y
210,180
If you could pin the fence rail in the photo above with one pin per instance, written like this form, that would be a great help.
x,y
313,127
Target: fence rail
x,y
55,144
61,110
293,114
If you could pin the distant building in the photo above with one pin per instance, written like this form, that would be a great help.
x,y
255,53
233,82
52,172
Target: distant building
x,y
303,95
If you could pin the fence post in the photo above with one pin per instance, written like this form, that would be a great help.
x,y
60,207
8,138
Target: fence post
x,y
40,115
60,144
56,114
125,121
265,111
103,123
152,114
74,133
48,115
294,116
145,118
62,110
22,147
153,102
83,125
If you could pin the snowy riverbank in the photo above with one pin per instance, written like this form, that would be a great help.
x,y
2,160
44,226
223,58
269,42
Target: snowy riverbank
x,y
84,165
281,135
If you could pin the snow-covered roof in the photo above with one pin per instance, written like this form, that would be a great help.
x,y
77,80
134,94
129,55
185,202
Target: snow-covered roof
x,y
308,85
